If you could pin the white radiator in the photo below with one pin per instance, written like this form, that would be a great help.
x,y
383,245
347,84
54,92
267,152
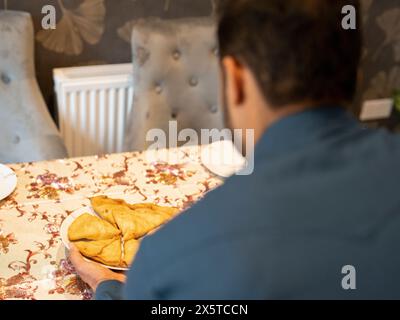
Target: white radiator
x,y
93,105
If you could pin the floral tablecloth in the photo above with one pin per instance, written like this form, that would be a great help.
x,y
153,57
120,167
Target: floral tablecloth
x,y
33,262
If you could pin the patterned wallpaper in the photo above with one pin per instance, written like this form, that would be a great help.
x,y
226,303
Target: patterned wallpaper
x,y
381,60
97,32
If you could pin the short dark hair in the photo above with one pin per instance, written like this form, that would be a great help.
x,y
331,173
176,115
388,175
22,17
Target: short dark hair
x,y
297,49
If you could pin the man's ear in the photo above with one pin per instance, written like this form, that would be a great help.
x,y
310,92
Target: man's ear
x,y
234,80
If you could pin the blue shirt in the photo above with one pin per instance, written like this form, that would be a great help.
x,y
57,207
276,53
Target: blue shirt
x,y
325,194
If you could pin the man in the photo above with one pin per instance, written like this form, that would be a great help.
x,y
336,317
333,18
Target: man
x,y
320,216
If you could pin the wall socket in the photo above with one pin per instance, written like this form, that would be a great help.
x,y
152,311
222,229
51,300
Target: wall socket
x,y
380,109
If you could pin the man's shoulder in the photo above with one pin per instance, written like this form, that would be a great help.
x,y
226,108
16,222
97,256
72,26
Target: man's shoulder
x,y
381,139
246,204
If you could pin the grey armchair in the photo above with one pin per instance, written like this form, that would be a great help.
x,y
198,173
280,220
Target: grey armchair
x,y
27,132
176,77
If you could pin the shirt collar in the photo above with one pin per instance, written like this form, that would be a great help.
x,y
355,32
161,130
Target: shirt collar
x,y
302,128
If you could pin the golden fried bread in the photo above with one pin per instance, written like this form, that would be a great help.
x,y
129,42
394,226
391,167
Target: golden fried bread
x,y
106,213
111,255
90,248
131,248
135,221
170,211
153,217
130,226
135,224
89,227
104,207
103,200
120,226
154,210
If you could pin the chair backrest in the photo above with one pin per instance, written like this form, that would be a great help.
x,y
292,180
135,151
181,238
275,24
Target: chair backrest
x,y
27,132
175,77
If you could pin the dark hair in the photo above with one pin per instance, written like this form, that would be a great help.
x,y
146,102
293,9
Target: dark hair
x,y
297,49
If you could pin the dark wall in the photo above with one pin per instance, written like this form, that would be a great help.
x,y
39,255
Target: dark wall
x,y
93,31
102,36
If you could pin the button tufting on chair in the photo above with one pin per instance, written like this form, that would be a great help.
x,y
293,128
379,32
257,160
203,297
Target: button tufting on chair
x,y
5,78
159,88
214,109
174,112
194,81
190,79
16,140
177,54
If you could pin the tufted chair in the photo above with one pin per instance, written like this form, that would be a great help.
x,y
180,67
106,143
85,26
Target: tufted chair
x,y
175,77
27,132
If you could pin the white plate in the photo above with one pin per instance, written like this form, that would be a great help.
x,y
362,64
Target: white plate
x,y
222,158
8,181
64,232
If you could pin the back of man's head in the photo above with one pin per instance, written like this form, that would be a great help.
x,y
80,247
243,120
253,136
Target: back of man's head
x,y
297,50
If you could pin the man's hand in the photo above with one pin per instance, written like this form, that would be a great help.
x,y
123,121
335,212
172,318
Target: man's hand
x,y
90,272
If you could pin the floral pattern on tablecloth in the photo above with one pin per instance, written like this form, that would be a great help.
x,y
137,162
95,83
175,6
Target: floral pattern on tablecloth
x,y
33,263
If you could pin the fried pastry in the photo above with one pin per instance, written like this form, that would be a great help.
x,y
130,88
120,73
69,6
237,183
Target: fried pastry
x,y
131,248
100,238
171,211
105,206
103,200
111,255
91,248
135,224
89,227
130,226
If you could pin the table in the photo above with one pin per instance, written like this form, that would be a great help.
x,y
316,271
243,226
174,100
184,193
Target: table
x,y
33,263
